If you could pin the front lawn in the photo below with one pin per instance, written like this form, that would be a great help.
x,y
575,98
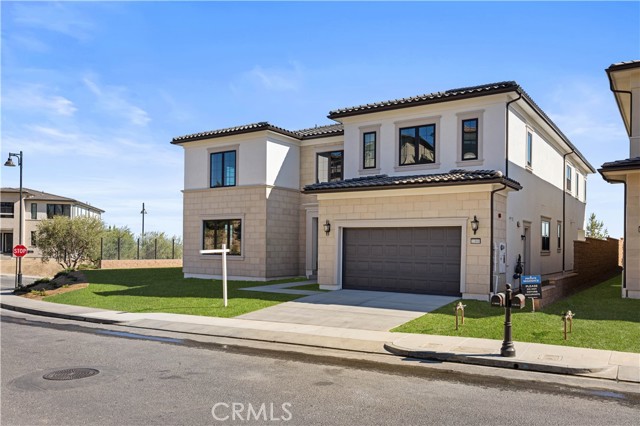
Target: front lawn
x,y
165,290
603,320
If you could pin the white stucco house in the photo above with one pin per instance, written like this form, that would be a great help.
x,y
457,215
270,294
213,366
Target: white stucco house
x,y
36,207
624,81
439,193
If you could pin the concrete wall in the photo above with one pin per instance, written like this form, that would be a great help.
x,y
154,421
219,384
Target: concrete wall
x,y
31,266
412,207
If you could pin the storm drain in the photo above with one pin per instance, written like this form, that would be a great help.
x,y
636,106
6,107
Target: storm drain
x,y
71,374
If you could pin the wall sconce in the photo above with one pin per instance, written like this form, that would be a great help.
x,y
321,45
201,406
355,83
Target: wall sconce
x,y
327,227
475,224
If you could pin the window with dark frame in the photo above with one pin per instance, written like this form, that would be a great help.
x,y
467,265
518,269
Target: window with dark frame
x,y
329,166
369,150
58,210
6,209
568,177
34,241
545,234
34,211
418,145
225,231
470,139
577,185
529,149
559,236
223,169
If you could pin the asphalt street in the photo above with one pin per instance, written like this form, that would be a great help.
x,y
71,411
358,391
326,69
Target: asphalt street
x,y
7,282
144,381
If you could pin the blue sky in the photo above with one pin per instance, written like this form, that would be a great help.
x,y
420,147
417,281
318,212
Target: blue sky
x,y
94,92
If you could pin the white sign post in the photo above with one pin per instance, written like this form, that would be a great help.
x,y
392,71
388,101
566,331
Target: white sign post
x,y
224,250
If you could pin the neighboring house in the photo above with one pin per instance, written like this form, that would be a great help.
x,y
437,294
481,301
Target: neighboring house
x,y
38,206
388,198
624,79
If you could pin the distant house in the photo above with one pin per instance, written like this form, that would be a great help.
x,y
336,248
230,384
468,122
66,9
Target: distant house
x,y
439,193
624,79
38,206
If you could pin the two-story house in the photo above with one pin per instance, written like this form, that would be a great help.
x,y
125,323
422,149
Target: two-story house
x,y
624,82
37,206
440,193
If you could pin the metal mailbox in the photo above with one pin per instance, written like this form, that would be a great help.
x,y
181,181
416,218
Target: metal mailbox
x,y
497,299
518,301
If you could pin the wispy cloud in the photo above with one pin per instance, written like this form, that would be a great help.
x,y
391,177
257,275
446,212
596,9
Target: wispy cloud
x,y
35,98
276,79
114,100
64,18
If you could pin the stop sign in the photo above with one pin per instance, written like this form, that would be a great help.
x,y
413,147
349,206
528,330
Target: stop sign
x,y
19,250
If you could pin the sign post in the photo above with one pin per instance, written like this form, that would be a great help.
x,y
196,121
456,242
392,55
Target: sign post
x,y
531,287
19,250
224,250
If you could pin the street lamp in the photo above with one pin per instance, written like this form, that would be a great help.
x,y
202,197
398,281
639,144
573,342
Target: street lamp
x,y
143,212
10,163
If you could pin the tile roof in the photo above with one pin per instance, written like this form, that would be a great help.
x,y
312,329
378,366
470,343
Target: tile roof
x,y
35,195
623,65
246,128
462,92
627,164
454,177
321,131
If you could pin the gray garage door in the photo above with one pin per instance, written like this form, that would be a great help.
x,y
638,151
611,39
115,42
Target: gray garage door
x,y
410,260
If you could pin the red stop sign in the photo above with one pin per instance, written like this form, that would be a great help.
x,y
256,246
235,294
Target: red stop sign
x,y
19,250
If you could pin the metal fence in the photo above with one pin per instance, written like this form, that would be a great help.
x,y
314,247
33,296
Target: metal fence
x,y
128,248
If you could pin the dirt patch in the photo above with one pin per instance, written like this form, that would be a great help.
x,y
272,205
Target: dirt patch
x,y
62,283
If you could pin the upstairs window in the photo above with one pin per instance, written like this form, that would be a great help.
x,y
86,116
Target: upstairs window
x,y
58,210
6,210
34,211
545,234
369,150
418,145
470,139
219,232
577,185
223,169
559,236
329,166
529,149
568,177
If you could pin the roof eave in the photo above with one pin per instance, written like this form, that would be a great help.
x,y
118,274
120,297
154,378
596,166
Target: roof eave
x,y
508,183
181,140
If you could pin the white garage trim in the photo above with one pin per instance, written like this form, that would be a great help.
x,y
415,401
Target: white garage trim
x,y
340,225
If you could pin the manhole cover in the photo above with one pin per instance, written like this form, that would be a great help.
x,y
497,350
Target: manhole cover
x,y
71,374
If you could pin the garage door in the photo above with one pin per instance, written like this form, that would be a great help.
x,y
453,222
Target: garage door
x,y
410,260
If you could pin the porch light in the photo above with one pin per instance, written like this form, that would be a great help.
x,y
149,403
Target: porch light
x,y
474,224
327,227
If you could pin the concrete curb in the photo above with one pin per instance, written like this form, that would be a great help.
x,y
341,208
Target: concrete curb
x,y
491,361
56,314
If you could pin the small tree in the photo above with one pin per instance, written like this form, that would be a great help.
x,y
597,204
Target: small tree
x,y
70,241
127,244
596,229
166,246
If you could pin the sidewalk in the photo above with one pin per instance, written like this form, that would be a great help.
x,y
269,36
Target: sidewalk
x,y
595,363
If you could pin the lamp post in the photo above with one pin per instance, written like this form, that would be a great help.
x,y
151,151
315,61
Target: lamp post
x,y
10,163
143,212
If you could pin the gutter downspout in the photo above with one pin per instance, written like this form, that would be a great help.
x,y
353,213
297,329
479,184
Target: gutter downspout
x,y
491,249
506,135
564,202
628,92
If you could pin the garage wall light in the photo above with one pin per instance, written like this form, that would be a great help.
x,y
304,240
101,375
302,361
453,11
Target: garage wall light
x,y
327,227
475,224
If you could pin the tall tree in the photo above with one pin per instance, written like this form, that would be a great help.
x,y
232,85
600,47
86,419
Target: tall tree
x,y
68,241
118,243
596,229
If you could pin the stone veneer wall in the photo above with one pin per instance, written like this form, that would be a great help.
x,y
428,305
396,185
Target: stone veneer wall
x,y
248,203
632,272
462,205
283,238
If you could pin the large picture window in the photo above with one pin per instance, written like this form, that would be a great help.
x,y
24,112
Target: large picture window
x,y
418,145
329,166
223,169
369,150
470,139
545,234
58,210
219,232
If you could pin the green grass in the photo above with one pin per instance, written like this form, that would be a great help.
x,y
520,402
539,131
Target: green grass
x,y
603,320
165,290
312,287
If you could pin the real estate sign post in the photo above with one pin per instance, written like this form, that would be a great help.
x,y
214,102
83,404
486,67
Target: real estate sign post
x,y
224,250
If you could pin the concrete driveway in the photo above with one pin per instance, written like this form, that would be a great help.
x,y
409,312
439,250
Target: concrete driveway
x,y
364,310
